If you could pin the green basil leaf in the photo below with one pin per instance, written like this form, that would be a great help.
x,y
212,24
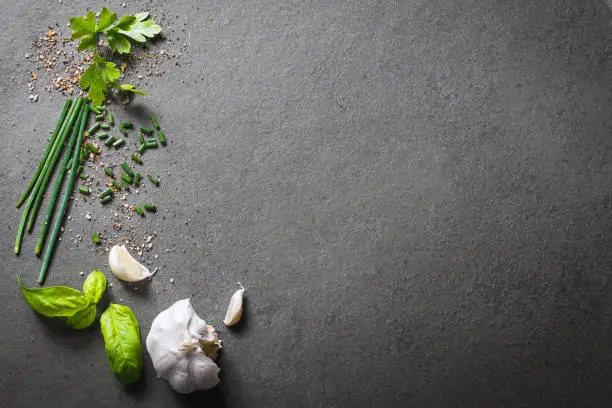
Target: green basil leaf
x,y
94,286
122,342
83,318
54,301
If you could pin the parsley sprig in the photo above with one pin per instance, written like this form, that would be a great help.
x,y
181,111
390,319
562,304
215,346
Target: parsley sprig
x,y
120,34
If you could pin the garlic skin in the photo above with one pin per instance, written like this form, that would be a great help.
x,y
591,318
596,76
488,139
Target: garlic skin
x,y
125,267
234,309
183,349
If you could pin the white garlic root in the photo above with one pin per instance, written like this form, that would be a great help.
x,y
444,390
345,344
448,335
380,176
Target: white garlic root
x,y
125,267
234,309
183,349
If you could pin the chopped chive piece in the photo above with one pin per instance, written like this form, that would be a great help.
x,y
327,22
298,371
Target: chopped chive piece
x,y
151,140
110,141
154,180
95,238
105,126
92,148
93,129
151,144
127,169
102,136
84,154
94,110
125,185
127,178
119,143
142,148
140,138
136,178
147,130
116,185
137,159
162,137
150,207
154,120
69,166
106,193
83,176
127,125
100,117
123,132
111,119
80,170
101,108
109,172
84,190
139,210
106,199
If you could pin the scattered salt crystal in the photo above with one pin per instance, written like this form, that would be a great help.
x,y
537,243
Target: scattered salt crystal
x,y
88,216
171,280
81,273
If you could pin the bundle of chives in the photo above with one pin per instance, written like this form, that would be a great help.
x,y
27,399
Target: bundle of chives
x,y
66,162
42,179
68,191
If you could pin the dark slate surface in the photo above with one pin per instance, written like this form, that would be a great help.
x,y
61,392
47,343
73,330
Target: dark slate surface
x,y
415,193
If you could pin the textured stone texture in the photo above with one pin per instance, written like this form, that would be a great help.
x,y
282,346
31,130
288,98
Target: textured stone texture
x,y
416,194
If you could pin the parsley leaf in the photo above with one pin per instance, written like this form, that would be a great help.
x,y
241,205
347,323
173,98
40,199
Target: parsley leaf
x,y
106,19
96,79
85,29
142,29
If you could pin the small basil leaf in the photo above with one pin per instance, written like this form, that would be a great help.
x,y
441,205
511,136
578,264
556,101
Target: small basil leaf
x,y
122,342
54,301
83,318
94,286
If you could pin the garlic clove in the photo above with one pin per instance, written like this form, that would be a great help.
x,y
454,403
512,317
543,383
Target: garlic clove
x,y
125,267
234,309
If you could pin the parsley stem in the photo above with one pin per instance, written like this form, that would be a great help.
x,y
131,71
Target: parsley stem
x,y
66,198
43,160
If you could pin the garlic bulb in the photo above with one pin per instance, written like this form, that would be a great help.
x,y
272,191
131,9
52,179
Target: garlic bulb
x,y
234,309
125,267
183,349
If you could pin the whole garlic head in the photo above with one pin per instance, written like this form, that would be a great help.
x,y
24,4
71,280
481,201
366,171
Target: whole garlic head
x,y
183,349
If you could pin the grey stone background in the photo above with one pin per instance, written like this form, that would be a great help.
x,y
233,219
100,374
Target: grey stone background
x,y
416,194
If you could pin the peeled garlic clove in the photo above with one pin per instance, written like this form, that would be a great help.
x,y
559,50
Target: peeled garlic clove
x,y
234,310
125,267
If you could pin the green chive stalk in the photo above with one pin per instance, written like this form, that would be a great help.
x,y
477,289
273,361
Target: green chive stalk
x,y
65,198
43,160
66,161
41,183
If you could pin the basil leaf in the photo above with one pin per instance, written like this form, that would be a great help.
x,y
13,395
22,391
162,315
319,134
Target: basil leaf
x,y
94,286
122,342
54,301
83,318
